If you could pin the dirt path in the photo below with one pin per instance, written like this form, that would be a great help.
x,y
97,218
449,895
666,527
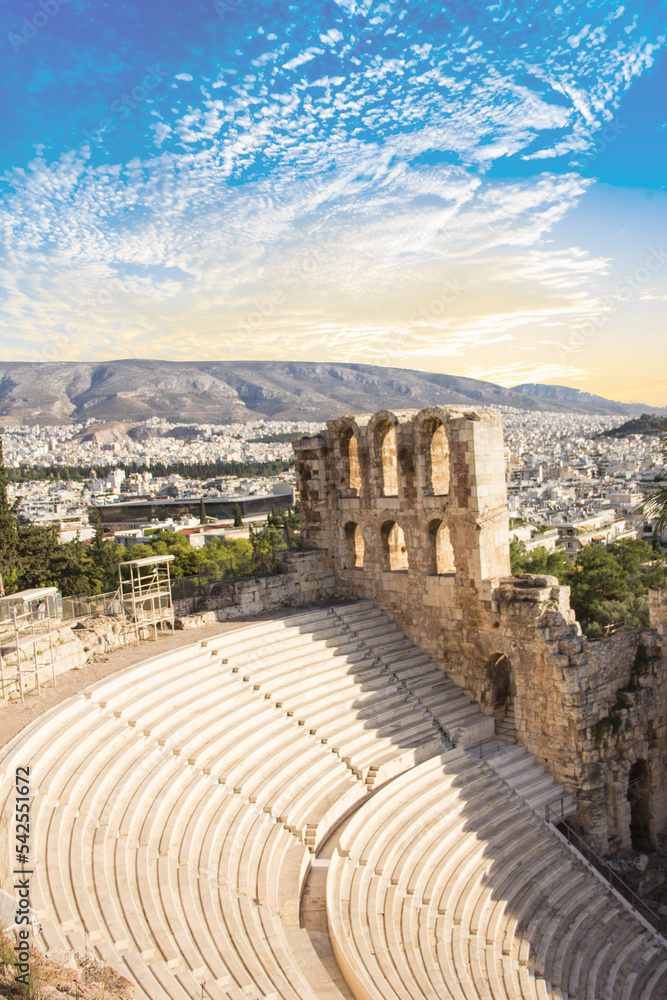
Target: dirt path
x,y
14,716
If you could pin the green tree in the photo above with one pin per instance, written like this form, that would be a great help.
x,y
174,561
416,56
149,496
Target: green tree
x,y
103,559
539,560
558,565
190,470
202,511
293,517
645,567
633,612
97,544
653,506
71,568
224,557
265,543
8,532
598,577
238,516
518,556
37,551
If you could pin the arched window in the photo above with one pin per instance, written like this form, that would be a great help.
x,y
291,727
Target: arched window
x,y
394,549
354,546
386,449
437,458
350,456
442,552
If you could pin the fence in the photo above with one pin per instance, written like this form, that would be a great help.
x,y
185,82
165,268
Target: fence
x,y
224,569
607,872
90,605
182,588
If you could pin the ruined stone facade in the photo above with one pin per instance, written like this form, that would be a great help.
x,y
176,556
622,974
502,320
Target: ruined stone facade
x,y
411,509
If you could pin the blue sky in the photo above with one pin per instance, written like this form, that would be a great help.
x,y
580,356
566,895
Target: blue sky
x,y
478,188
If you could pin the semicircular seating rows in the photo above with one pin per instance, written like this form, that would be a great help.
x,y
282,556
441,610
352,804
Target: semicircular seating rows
x,y
179,804
444,882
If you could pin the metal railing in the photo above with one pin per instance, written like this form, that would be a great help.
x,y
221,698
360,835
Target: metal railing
x,y
490,743
211,573
90,605
550,811
608,873
208,574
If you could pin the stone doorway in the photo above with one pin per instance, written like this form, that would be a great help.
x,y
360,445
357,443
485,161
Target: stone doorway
x,y
501,676
639,797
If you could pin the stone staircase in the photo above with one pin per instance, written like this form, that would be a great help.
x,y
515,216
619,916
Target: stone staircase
x,y
179,806
528,778
506,724
458,718
444,885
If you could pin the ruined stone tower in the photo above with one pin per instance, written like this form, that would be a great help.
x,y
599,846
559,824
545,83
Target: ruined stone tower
x,y
411,507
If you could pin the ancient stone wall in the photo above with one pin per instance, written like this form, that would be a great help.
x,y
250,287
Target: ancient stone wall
x,y
411,508
304,576
658,611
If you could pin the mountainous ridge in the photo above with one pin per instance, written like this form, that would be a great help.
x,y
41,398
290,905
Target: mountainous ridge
x,y
569,396
132,390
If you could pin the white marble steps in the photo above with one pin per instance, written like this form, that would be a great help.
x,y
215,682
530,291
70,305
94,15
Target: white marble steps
x,y
527,776
140,779
177,806
459,718
446,885
316,672
145,855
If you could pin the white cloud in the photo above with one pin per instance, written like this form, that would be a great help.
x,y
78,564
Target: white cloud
x,y
160,132
517,374
303,58
355,7
372,169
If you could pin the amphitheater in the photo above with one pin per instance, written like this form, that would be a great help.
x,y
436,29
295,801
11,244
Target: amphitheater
x,y
309,807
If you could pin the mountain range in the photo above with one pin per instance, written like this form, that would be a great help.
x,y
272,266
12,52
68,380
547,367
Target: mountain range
x,y
237,391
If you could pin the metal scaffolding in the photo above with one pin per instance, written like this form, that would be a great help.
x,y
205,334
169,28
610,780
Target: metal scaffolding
x,y
145,593
26,619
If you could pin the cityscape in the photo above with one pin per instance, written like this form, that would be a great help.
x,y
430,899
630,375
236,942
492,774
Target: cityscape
x,y
333,500
568,485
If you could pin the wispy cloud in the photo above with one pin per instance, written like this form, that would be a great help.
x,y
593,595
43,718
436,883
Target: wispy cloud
x,y
357,137
517,374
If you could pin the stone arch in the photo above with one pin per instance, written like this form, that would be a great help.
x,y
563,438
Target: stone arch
x,y
441,552
385,455
639,797
354,546
502,688
349,451
436,456
394,549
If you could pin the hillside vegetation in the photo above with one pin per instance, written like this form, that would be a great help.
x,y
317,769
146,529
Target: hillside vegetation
x,y
609,586
647,423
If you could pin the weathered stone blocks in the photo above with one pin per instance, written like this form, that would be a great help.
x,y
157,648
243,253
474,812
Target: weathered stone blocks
x,y
425,491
